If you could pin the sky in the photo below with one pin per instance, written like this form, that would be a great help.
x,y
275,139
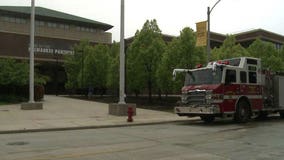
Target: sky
x,y
228,17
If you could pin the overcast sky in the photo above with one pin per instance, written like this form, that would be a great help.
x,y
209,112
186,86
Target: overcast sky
x,y
229,16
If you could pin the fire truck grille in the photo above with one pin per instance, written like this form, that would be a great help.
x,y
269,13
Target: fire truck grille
x,y
194,98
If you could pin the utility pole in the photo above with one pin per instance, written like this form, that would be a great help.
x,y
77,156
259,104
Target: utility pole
x,y
121,108
31,105
122,58
208,30
32,41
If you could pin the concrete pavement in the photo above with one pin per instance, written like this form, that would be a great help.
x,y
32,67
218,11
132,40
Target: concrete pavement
x,y
61,113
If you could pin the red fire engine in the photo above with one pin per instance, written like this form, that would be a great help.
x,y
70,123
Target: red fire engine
x,y
236,88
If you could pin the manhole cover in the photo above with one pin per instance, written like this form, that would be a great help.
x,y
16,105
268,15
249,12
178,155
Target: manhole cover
x,y
17,143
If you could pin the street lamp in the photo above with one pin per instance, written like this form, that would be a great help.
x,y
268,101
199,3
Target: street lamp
x,y
32,104
208,30
122,58
32,51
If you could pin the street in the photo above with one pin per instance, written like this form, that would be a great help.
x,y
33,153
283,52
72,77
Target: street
x,y
175,141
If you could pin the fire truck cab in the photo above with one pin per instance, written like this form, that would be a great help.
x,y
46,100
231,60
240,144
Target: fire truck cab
x,y
236,88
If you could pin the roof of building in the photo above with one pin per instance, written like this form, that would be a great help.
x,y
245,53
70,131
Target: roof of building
x,y
251,35
44,13
260,33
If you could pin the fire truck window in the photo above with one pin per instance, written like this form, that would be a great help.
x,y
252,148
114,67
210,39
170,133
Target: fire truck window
x,y
252,77
243,77
230,76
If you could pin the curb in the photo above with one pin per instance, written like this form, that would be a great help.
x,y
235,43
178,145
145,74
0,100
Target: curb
x,y
88,127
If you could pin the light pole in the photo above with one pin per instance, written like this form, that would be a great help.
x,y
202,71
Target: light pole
x,y
31,105
32,40
122,58
208,30
121,108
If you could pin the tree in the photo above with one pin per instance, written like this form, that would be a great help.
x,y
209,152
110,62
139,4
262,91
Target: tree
x,y
87,67
180,53
113,69
73,65
270,56
13,73
229,49
143,58
96,67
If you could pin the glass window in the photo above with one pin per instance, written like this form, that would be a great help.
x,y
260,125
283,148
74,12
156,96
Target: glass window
x,y
66,26
12,19
243,77
6,19
61,26
252,77
18,20
230,76
204,76
52,25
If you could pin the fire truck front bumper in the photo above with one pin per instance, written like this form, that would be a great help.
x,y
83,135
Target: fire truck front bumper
x,y
197,110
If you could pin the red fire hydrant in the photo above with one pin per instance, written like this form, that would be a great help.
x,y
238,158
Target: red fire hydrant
x,y
130,114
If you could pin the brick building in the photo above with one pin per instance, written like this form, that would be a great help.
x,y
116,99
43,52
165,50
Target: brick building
x,y
55,35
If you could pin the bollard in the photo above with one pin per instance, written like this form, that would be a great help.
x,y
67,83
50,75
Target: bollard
x,y
130,114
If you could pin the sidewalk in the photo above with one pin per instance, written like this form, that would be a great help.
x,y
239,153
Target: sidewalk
x,y
60,113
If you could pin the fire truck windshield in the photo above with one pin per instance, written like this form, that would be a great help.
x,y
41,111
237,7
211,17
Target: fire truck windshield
x,y
204,76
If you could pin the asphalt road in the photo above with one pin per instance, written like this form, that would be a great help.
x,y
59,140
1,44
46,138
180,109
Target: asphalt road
x,y
177,141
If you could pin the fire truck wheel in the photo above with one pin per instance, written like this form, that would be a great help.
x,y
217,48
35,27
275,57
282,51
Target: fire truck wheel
x,y
242,114
207,119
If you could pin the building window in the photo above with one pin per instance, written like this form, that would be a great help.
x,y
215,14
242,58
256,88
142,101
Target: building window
x,y
87,29
51,25
14,20
64,26
39,23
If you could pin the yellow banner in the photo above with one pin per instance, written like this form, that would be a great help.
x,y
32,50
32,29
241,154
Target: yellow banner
x,y
201,33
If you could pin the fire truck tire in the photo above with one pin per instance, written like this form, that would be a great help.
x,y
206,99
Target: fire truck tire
x,y
242,114
207,119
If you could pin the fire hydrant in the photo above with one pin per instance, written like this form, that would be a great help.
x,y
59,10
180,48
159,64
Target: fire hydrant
x,y
130,114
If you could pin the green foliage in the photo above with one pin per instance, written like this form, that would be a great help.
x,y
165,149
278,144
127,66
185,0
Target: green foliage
x,y
13,73
229,49
270,56
87,67
96,67
113,69
14,80
181,53
143,58
73,65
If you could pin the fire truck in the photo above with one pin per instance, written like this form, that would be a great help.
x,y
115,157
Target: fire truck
x,y
238,88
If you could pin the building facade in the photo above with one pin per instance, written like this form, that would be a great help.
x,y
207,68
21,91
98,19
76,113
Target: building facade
x,y
56,33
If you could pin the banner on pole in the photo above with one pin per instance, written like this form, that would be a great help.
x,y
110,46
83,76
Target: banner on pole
x,y
201,33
